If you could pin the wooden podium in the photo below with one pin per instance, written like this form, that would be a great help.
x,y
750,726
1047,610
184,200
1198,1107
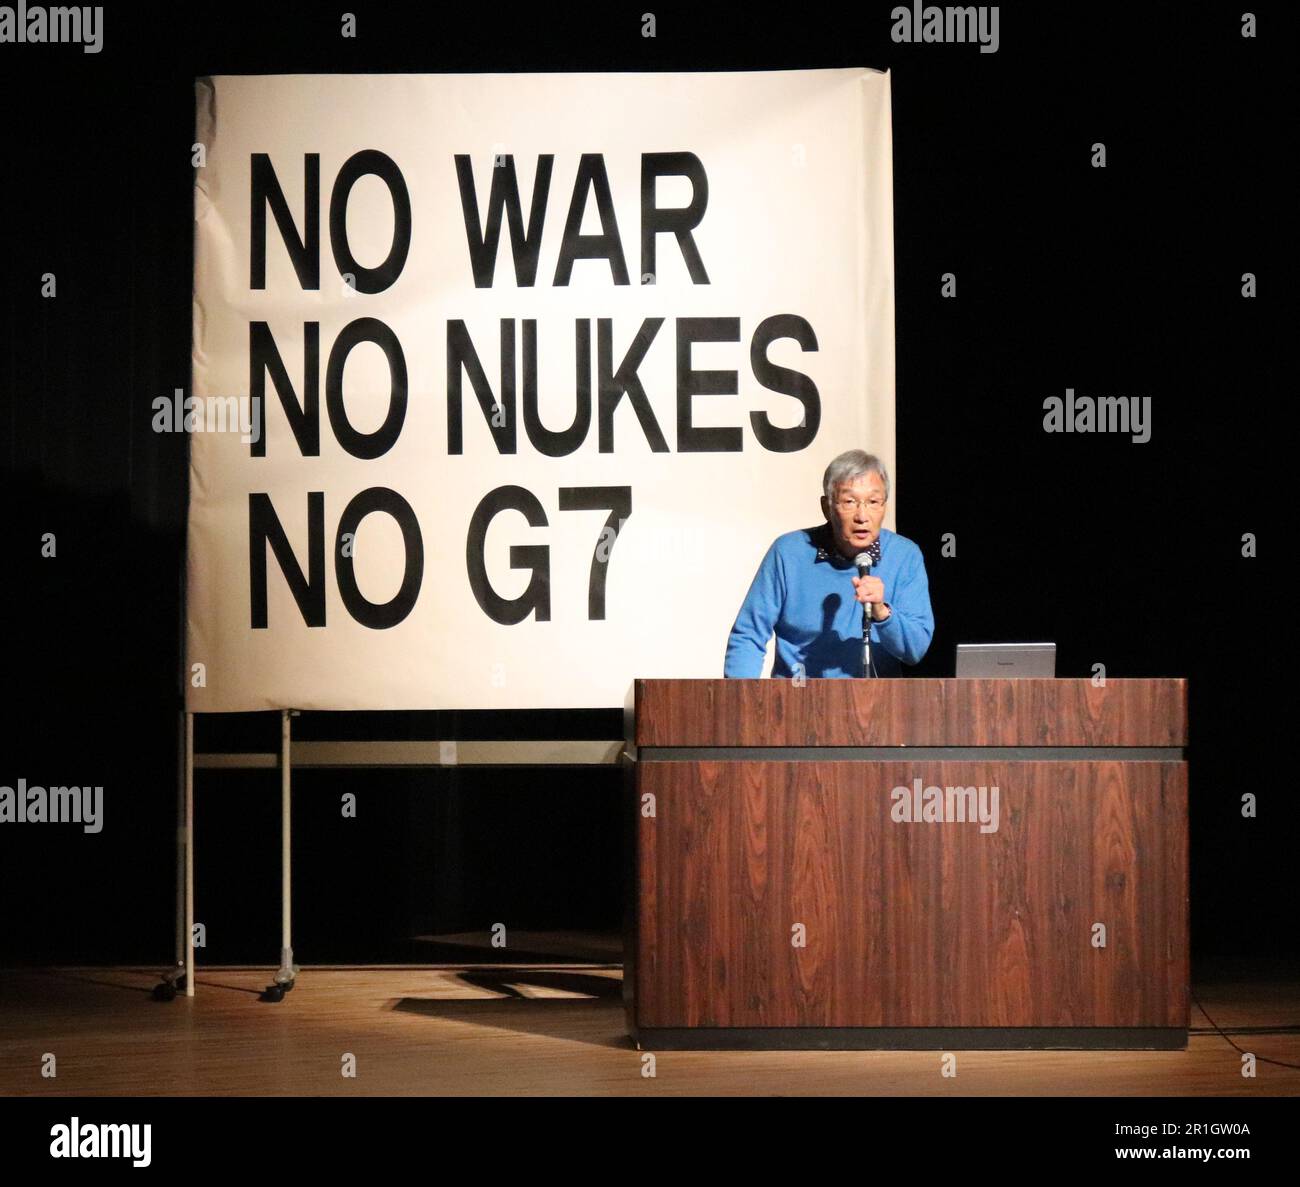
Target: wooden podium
x,y
815,866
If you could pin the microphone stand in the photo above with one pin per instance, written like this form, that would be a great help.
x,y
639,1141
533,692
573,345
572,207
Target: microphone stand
x,y
866,640
864,569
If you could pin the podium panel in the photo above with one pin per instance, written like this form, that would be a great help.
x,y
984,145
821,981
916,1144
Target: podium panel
x,y
802,878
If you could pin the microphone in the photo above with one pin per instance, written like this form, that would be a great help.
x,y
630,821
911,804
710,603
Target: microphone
x,y
863,561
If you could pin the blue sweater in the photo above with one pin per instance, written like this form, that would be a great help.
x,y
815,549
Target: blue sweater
x,y
803,591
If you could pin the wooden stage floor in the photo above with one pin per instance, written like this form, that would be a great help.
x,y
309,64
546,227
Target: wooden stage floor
x,y
540,1030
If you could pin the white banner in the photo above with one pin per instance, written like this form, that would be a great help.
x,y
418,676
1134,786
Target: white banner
x,y
526,372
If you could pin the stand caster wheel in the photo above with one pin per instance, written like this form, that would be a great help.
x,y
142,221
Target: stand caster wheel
x,y
276,990
166,990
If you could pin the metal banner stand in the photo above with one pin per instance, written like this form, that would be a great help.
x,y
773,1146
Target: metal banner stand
x,y
181,975
319,756
284,978
187,856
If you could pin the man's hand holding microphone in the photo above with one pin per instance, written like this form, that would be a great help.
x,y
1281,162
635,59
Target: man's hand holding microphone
x,y
871,592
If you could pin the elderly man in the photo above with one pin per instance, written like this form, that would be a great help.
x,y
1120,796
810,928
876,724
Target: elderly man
x,y
808,591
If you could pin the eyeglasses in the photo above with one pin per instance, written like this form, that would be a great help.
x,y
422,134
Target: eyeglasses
x,y
875,503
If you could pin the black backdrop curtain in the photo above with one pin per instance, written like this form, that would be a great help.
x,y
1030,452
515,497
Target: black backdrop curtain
x,y
1121,281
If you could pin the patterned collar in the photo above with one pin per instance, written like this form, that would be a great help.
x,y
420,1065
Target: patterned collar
x,y
824,539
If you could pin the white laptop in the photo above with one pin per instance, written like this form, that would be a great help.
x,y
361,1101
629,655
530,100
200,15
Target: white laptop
x,y
1006,659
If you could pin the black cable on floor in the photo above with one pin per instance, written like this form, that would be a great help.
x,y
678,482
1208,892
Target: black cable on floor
x,y
1223,1034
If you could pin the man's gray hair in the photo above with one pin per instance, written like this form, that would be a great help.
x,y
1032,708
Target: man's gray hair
x,y
851,464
